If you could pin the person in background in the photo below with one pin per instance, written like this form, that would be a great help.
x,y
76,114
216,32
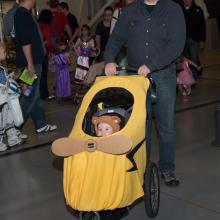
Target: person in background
x,y
154,40
103,31
63,84
85,50
30,54
195,32
44,21
72,21
184,76
60,25
121,58
7,125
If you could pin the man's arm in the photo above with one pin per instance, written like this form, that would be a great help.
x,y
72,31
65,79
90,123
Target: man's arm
x,y
27,50
175,42
68,30
23,31
75,25
98,41
74,35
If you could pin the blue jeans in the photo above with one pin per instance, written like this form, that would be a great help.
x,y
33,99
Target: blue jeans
x,y
191,51
31,105
164,111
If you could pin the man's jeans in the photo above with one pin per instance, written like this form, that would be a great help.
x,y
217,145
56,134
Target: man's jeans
x,y
164,110
191,51
31,105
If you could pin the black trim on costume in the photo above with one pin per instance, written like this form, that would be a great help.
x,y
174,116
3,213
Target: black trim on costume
x,y
82,67
130,156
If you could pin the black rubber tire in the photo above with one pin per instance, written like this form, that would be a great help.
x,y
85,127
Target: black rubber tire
x,y
89,216
152,190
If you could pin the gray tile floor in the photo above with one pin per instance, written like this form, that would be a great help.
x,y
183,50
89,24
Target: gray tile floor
x,y
31,181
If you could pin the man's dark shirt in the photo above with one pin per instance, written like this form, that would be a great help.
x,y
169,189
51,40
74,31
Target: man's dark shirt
x,y
72,22
155,39
149,8
195,23
104,33
27,32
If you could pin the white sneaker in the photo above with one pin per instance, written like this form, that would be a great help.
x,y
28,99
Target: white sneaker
x,y
13,138
3,147
14,141
46,128
21,135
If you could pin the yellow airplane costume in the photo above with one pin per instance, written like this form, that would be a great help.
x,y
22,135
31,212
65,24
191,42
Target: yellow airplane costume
x,y
94,179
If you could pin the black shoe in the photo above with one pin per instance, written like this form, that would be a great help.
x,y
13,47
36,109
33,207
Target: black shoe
x,y
170,179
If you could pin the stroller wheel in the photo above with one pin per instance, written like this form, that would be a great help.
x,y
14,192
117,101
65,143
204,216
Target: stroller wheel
x,y
89,216
152,190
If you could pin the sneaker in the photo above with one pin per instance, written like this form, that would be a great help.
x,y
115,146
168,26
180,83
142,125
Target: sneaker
x,y
51,97
170,179
3,147
13,138
21,135
46,128
14,141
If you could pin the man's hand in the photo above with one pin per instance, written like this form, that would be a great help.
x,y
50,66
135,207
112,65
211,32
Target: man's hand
x,y
31,70
111,69
143,70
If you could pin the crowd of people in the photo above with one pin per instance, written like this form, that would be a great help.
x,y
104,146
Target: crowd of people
x,y
142,35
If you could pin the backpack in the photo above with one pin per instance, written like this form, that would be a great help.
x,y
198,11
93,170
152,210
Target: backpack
x,y
8,21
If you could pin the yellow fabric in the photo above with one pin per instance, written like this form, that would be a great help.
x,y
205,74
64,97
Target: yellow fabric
x,y
98,181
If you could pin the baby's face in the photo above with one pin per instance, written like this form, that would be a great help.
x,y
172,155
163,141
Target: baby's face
x,y
104,129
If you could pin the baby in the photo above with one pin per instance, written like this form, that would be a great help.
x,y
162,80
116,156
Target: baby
x,y
106,125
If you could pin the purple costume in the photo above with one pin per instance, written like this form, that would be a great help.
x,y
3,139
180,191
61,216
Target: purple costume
x,y
63,86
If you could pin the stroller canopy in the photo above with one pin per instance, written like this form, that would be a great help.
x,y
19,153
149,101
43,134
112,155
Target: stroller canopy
x,y
100,181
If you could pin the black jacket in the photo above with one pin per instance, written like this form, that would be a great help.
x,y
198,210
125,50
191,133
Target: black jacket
x,y
195,23
155,39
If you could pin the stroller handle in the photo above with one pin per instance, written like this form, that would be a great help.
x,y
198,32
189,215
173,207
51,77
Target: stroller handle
x,y
131,70
153,91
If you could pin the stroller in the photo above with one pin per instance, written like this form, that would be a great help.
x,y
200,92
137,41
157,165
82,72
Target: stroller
x,y
109,173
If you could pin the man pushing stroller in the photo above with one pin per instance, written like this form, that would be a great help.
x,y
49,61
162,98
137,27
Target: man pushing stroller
x,y
154,42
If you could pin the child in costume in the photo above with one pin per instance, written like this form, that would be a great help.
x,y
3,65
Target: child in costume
x,y
63,84
184,77
86,52
106,125
10,110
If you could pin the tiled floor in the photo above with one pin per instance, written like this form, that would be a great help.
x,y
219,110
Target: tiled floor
x,y
31,181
